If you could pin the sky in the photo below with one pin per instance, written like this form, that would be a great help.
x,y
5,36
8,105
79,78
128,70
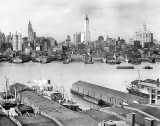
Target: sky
x,y
59,18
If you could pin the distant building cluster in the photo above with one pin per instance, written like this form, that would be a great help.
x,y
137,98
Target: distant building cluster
x,y
81,41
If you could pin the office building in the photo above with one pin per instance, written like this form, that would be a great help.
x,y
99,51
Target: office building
x,y
144,36
2,39
100,38
17,41
86,31
77,38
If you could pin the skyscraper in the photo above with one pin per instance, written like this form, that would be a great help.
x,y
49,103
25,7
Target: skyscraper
x,y
86,31
2,39
31,33
144,36
17,41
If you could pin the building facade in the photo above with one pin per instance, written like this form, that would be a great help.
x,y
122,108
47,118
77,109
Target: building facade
x,y
86,31
77,38
144,36
17,41
2,39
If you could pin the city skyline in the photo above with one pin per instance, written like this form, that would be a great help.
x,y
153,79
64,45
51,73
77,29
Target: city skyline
x,y
61,18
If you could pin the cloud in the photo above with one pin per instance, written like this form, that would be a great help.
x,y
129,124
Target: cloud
x,y
59,18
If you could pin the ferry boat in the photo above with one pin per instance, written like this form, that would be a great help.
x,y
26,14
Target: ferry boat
x,y
21,59
37,60
135,62
138,88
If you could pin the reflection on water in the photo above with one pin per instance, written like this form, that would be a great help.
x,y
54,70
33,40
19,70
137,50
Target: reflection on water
x,y
66,74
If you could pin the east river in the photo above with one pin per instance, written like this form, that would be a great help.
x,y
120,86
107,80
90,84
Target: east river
x,y
66,74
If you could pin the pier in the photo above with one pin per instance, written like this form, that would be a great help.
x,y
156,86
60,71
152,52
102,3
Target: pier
x,y
94,93
50,109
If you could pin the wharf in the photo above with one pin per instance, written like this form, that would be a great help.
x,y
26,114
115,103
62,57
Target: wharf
x,y
35,120
94,93
52,110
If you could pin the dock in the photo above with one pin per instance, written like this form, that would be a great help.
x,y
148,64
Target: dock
x,y
50,109
94,93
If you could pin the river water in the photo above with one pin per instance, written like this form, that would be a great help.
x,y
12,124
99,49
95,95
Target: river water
x,y
66,74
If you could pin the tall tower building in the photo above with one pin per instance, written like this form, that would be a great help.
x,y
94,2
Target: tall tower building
x,y
86,31
143,36
17,41
31,34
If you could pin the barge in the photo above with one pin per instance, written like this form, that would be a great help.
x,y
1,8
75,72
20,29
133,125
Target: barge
x,y
125,67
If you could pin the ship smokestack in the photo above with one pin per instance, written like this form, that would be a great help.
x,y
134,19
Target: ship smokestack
x,y
49,81
157,82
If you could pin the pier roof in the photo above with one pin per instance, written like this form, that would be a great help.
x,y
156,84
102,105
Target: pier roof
x,y
104,90
35,119
53,109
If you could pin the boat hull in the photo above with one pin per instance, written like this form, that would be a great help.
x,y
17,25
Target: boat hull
x,y
138,93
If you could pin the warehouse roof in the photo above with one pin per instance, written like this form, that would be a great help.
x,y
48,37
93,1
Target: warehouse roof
x,y
65,116
108,91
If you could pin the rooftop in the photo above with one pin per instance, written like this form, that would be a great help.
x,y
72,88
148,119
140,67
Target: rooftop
x,y
103,90
62,114
35,120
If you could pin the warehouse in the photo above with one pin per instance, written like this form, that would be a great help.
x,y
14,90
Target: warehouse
x,y
52,110
106,94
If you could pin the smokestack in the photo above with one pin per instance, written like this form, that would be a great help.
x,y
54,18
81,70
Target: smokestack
x,y
130,119
149,121
157,82
49,81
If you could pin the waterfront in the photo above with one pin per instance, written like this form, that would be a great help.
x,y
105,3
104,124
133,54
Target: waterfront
x,y
66,74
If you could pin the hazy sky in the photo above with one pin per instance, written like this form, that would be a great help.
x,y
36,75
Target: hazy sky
x,y
59,18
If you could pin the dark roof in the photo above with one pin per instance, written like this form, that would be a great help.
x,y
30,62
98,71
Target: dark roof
x,y
151,81
35,120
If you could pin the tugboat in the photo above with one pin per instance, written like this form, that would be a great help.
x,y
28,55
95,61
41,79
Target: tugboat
x,y
148,67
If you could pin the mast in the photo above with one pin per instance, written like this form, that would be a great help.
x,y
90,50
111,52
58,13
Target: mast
x,y
139,76
6,88
15,93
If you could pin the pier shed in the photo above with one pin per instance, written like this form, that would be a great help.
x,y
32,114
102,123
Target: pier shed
x,y
94,92
52,110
